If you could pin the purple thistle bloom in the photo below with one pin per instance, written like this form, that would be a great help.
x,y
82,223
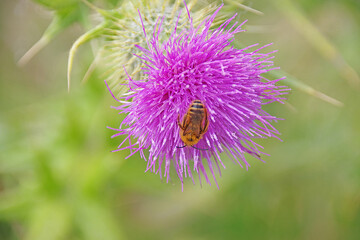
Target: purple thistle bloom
x,y
199,63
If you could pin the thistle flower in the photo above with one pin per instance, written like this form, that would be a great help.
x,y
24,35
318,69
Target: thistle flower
x,y
198,63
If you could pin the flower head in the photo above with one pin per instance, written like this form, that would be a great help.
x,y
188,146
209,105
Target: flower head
x,y
198,63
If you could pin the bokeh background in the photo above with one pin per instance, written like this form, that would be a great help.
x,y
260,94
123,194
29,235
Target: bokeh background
x,y
59,180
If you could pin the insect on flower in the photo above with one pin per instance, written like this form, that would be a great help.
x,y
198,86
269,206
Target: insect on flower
x,y
194,125
197,65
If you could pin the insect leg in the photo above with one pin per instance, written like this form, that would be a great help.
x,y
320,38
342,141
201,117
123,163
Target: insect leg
x,y
178,122
186,123
206,123
181,147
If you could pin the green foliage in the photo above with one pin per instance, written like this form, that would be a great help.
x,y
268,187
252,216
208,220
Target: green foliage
x,y
59,180
57,4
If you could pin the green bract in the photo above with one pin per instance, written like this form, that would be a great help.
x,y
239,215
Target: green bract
x,y
121,29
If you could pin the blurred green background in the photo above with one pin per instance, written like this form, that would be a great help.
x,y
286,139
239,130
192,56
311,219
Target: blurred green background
x,y
59,180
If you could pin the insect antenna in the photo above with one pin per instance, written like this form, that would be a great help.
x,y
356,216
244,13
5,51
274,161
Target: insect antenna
x,y
201,148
